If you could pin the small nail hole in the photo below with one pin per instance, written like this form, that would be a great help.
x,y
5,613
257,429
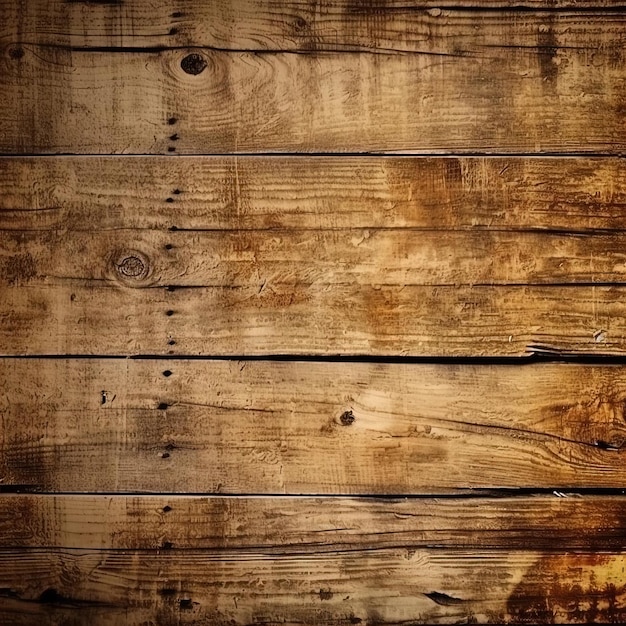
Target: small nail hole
x,y
167,508
162,406
173,31
172,120
169,200
169,313
165,455
176,191
171,342
168,246
167,373
171,149
174,137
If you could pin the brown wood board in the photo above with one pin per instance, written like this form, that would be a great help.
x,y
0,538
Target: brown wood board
x,y
429,81
366,586
570,194
267,24
298,525
257,256
259,427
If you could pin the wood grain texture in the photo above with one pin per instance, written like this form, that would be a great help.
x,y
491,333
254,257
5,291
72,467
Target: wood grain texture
x,y
368,586
386,81
419,25
77,425
228,193
219,256
301,525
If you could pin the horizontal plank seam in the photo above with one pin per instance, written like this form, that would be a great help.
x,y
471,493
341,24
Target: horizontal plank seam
x,y
312,549
459,493
336,48
543,355
517,8
441,154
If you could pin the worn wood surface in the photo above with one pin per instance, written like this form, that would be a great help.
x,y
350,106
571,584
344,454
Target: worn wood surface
x,y
363,586
302,25
301,525
111,425
239,256
384,81
569,194
165,490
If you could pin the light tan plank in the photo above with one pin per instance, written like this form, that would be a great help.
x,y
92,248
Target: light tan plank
x,y
518,84
306,261
430,25
372,587
293,319
232,427
312,524
222,193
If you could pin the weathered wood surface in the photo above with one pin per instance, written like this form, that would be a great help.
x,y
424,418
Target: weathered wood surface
x,y
301,525
171,559
226,193
318,320
431,80
303,25
240,256
322,256
109,425
367,586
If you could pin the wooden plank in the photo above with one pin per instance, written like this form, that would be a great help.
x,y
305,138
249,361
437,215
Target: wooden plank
x,y
227,193
304,524
285,319
287,25
368,586
110,425
307,261
262,255
503,82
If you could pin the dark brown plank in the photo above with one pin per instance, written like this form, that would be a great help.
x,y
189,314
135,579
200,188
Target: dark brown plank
x,y
368,586
549,523
110,425
417,25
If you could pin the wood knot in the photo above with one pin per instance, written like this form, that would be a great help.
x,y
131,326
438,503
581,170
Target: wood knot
x,y
300,24
131,267
193,64
347,418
